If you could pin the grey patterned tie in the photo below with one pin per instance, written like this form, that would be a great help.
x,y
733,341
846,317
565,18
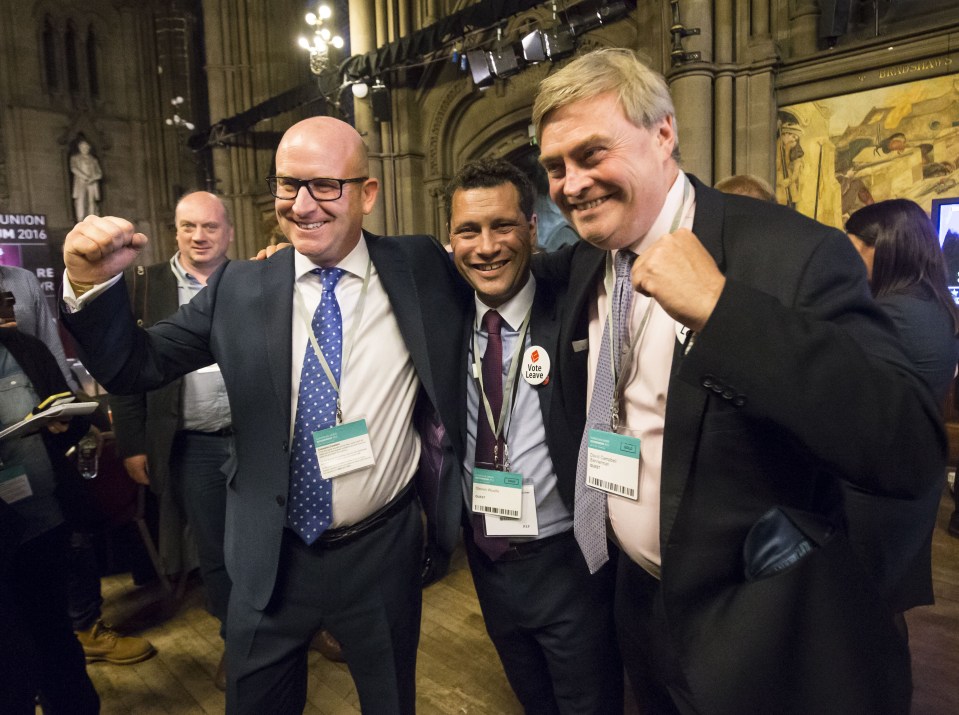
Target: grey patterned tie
x,y
589,510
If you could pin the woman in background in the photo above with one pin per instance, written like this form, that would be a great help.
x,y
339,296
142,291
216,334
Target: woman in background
x,y
907,276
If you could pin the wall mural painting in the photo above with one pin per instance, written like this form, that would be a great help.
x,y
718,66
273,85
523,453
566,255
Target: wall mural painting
x,y
836,155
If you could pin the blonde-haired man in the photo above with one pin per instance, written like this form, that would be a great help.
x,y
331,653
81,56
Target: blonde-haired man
x,y
740,377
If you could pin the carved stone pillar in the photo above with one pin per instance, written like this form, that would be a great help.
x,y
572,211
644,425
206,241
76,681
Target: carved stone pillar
x,y
363,30
230,92
692,89
724,55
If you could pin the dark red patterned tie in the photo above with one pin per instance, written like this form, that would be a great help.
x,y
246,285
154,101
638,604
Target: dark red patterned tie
x,y
486,455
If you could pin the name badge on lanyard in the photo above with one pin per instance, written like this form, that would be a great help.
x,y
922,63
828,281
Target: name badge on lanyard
x,y
526,525
497,493
343,449
612,463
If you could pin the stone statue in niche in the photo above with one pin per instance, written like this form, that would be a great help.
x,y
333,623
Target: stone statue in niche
x,y
86,171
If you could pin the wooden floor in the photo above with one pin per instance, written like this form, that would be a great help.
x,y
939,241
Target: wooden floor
x,y
458,672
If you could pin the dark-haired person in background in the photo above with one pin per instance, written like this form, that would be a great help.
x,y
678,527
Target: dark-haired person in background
x,y
907,276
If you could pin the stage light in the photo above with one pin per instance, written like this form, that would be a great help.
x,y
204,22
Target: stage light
x,y
553,44
360,90
503,62
479,68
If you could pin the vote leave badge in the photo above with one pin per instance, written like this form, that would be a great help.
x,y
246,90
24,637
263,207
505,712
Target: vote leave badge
x,y
535,365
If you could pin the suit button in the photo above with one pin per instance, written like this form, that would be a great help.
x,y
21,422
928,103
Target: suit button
x,y
286,446
708,381
281,500
739,401
728,394
718,389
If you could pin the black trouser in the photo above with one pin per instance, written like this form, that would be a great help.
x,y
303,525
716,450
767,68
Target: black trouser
x,y
651,661
365,592
38,651
552,625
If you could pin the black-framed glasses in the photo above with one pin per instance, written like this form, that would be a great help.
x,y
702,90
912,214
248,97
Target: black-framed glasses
x,y
321,189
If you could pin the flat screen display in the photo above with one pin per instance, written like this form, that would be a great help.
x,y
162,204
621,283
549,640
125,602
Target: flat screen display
x,y
945,217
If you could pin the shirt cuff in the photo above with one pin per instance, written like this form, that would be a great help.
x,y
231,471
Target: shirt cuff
x,y
74,304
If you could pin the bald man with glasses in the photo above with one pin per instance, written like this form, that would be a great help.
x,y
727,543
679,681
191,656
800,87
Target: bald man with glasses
x,y
326,352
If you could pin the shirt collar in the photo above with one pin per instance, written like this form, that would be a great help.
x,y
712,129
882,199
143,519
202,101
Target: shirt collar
x,y
664,222
187,280
514,310
355,261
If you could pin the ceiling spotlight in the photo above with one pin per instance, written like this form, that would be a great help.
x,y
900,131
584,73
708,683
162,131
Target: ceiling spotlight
x,y
553,44
479,68
503,62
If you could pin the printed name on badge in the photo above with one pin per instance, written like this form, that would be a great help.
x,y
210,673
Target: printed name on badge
x,y
612,464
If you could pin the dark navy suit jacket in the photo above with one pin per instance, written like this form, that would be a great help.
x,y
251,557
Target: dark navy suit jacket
x,y
242,321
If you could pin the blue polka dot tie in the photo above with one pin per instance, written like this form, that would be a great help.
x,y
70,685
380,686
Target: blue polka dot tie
x,y
310,506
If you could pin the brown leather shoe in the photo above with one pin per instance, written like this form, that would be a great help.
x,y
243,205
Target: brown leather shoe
x,y
328,646
219,680
102,643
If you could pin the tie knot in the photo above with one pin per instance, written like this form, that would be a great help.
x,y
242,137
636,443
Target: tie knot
x,y
329,277
624,261
492,322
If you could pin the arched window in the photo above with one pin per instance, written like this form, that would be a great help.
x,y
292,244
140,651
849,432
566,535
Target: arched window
x,y
50,56
92,76
70,50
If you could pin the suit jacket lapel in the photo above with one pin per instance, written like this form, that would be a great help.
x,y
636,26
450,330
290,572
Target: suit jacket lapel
x,y
587,268
544,332
276,299
394,273
686,403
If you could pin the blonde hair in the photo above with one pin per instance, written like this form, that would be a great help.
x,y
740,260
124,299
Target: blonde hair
x,y
643,93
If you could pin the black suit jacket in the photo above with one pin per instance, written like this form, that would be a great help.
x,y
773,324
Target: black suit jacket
x,y
242,321
795,384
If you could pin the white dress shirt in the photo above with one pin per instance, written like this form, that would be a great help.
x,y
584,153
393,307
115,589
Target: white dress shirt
x,y
377,383
635,523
